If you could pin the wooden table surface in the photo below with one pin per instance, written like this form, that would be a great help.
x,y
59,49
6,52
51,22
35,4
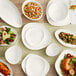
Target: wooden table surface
x,y
17,70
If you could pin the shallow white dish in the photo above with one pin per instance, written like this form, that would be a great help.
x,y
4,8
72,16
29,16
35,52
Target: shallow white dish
x,y
58,61
62,22
52,49
62,42
35,36
10,14
11,72
12,29
55,13
33,64
13,54
27,1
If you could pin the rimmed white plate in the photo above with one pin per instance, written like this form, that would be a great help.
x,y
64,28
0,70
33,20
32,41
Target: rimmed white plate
x,y
35,36
61,22
11,72
33,64
10,14
62,42
58,61
12,29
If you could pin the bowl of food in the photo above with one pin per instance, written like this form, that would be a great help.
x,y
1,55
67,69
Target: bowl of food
x,y
66,63
32,10
5,69
8,35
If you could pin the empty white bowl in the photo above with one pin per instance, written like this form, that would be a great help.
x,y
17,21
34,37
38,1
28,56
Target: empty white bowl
x,y
58,11
52,49
13,54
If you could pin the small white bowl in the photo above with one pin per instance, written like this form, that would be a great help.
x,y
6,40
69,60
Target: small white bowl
x,y
13,54
52,49
27,1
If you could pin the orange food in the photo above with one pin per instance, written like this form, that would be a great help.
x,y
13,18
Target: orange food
x,y
73,7
4,69
65,64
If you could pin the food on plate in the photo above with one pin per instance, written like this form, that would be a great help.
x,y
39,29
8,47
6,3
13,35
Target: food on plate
x,y
32,10
73,7
4,69
68,65
68,38
7,36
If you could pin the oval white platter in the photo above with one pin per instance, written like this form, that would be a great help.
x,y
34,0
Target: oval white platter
x,y
12,29
60,58
10,14
62,42
35,36
34,65
63,22
11,72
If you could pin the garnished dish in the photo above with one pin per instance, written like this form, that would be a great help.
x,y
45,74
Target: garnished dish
x,y
7,35
68,65
32,10
68,38
73,7
5,69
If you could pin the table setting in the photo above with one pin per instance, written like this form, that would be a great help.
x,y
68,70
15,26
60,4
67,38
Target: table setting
x,y
37,37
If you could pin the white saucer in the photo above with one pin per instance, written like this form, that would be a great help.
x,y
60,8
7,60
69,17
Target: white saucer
x,y
61,22
35,36
52,49
13,54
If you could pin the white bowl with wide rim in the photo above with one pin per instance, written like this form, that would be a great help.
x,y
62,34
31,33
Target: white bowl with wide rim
x,y
35,36
27,1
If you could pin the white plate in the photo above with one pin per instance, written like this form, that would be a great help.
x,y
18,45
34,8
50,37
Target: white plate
x,y
61,41
11,72
27,1
61,22
10,14
35,36
52,49
58,61
33,64
12,29
13,54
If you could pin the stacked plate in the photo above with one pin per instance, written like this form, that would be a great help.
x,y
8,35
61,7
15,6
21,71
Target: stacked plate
x,y
34,65
35,36
58,13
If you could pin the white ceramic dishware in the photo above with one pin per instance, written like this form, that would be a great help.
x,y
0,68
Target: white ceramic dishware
x,y
35,36
52,49
10,14
34,1
34,65
60,58
55,16
13,54
61,41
